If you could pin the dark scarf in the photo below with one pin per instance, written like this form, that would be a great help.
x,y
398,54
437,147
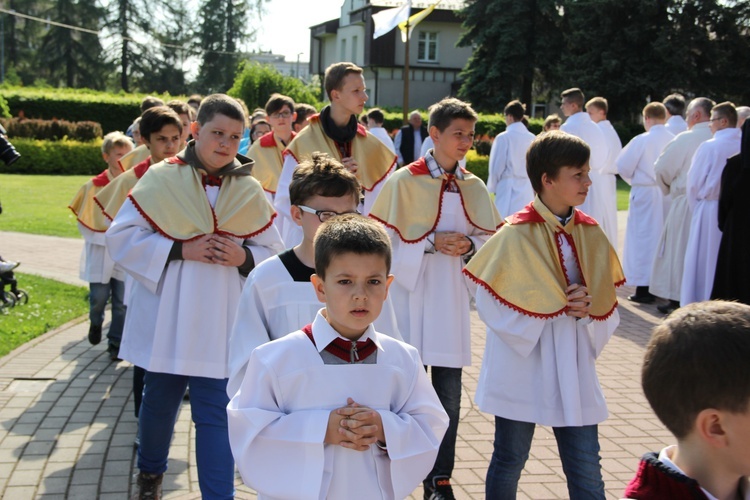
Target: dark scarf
x,y
338,134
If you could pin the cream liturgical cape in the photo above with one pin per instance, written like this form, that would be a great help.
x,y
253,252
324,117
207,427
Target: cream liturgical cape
x,y
272,305
278,420
134,157
539,364
172,326
96,266
111,198
412,205
671,176
267,155
375,160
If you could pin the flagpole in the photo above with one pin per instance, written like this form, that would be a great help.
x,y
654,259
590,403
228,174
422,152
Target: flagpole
x,y
406,76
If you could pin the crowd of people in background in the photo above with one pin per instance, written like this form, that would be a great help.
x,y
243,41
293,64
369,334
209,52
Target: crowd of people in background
x,y
218,234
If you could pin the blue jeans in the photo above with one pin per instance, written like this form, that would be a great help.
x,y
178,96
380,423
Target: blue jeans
x,y
579,453
447,385
99,294
162,397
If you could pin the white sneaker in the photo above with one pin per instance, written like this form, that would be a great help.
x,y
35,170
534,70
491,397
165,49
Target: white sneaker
x,y
8,265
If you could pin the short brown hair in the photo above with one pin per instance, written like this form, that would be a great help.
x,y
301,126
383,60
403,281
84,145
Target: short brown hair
x,y
115,139
728,111
155,119
180,107
698,359
150,102
443,113
335,74
553,118
322,175
550,152
515,109
655,111
376,115
303,111
599,102
220,104
277,102
574,95
350,233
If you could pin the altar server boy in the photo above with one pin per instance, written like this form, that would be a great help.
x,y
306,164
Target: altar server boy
x,y
547,294
437,216
277,297
337,410
192,228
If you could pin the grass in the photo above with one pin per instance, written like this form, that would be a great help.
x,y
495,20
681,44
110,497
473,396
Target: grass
x,y
50,305
623,194
38,204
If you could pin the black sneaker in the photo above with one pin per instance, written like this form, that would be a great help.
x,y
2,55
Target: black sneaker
x,y
670,306
440,489
149,486
642,295
114,352
95,334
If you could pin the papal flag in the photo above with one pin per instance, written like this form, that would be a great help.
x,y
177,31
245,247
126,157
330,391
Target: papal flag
x,y
386,20
414,20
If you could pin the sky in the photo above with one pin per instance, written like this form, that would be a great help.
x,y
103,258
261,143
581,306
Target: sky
x,y
285,25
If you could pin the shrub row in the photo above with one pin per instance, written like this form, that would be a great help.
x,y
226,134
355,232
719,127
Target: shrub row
x,y
52,130
56,157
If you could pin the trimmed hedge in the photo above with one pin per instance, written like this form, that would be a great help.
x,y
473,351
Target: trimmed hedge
x,y
52,130
57,157
478,165
487,125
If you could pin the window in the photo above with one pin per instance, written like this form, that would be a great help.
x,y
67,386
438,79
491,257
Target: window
x,y
427,48
342,56
354,49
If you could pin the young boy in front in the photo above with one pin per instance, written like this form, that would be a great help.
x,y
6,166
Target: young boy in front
x,y
277,297
192,227
267,151
337,410
97,268
437,216
697,380
547,295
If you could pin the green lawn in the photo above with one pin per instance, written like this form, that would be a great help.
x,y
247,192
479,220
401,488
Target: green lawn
x,y
623,194
38,204
50,305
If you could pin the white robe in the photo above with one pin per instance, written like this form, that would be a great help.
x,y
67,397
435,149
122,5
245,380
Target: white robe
x,y
431,295
607,187
671,176
646,212
676,124
278,420
180,312
272,305
542,370
703,185
96,266
507,170
581,125
382,134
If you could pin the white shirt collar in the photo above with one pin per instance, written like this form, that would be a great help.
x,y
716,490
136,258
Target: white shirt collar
x,y
323,333
665,457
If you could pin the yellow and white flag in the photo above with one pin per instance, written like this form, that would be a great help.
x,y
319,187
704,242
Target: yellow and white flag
x,y
386,20
414,20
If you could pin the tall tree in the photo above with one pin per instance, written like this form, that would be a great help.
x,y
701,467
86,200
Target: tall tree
x,y
516,44
23,38
129,22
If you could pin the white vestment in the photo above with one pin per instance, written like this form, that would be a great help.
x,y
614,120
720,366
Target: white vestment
x,y
676,124
507,169
542,370
646,211
180,312
581,125
430,294
382,134
96,266
272,305
703,185
671,176
278,420
607,187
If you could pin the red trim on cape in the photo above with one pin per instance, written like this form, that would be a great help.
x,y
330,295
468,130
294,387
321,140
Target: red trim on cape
x,y
606,316
100,180
101,207
583,218
84,225
267,140
216,231
361,130
419,167
174,160
288,152
529,214
142,167
387,172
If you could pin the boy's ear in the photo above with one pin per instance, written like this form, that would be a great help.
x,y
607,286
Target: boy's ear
x,y
434,133
388,282
546,179
105,157
195,129
296,214
317,283
709,425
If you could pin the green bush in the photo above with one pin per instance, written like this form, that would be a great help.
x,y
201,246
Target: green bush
x,y
478,165
487,125
52,130
255,83
57,157
4,109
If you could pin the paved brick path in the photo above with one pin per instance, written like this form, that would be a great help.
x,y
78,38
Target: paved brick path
x,y
67,425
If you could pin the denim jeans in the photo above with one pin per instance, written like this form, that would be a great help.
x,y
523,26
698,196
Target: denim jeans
x,y
162,397
138,375
579,453
447,385
99,293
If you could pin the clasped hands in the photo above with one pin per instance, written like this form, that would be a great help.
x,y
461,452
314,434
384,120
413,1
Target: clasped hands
x,y
579,301
453,244
214,249
354,426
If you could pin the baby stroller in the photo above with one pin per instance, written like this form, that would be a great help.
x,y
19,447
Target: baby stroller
x,y
10,298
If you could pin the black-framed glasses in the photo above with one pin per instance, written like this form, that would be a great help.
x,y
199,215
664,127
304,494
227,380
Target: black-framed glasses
x,y
324,215
283,114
